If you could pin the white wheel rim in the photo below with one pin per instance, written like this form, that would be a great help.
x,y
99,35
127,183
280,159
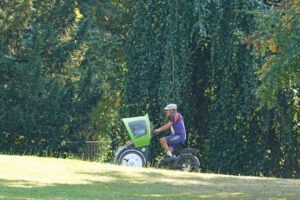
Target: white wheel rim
x,y
132,160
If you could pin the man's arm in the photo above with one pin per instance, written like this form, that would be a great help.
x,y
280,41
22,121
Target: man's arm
x,y
164,127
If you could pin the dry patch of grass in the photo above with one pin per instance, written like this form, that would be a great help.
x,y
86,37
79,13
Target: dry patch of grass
x,y
25,177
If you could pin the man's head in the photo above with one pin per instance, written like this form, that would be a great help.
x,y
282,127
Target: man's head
x,y
170,109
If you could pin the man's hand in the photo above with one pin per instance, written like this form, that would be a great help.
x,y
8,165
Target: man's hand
x,y
156,130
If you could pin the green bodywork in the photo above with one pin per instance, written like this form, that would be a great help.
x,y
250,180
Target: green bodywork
x,y
139,130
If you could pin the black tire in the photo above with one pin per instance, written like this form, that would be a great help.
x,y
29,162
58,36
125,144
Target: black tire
x,y
132,158
118,154
187,163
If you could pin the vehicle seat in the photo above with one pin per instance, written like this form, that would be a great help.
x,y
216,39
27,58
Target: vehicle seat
x,y
189,150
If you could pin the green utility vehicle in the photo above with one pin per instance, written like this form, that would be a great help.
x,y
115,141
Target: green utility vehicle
x,y
137,152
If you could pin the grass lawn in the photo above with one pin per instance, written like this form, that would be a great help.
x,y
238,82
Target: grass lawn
x,y
26,177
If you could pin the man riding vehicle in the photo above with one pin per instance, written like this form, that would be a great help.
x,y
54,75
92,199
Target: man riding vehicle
x,y
178,133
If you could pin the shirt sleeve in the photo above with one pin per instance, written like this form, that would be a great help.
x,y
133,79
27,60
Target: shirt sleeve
x,y
175,118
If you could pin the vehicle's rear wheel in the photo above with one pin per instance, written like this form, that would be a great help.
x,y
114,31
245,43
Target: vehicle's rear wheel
x,y
132,158
187,163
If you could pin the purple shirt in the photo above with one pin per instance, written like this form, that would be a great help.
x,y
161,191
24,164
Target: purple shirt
x,y
178,124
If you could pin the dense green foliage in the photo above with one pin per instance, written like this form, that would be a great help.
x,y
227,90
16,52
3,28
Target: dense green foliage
x,y
71,69
58,62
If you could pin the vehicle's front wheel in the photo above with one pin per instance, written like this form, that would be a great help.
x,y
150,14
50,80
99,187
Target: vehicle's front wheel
x,y
132,158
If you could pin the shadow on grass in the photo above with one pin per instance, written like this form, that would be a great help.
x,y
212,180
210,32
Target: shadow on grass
x,y
100,190
152,185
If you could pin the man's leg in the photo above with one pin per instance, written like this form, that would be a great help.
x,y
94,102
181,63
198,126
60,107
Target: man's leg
x,y
172,141
164,144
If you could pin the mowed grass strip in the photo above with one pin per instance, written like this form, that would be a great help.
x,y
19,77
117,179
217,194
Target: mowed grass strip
x,y
26,177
